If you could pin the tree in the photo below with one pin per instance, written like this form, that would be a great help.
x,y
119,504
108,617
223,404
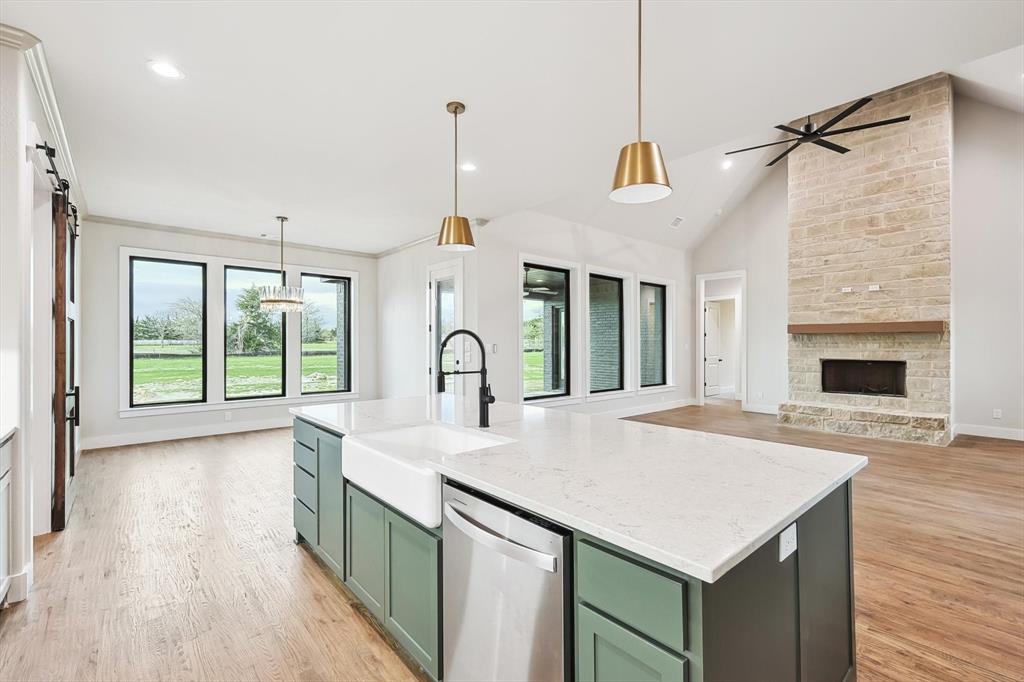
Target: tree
x,y
186,319
256,331
533,334
312,324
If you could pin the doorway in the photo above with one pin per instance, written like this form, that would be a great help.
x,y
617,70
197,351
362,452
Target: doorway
x,y
444,315
721,348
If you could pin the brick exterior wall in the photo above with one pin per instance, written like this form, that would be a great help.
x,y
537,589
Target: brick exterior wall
x,y
605,341
876,215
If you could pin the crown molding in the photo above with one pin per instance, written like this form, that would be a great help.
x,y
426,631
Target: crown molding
x,y
39,70
209,234
16,38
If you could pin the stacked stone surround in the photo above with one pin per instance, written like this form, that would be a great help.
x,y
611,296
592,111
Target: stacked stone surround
x,y
878,215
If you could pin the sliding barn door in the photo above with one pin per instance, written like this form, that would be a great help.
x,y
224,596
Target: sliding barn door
x,y
66,335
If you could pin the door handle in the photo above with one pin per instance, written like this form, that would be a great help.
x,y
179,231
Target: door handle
x,y
76,410
488,538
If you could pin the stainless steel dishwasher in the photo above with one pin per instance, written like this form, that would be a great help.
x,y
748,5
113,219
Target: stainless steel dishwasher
x,y
507,592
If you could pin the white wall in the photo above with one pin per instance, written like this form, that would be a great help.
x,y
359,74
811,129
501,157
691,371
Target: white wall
x,y
987,211
753,237
102,423
493,297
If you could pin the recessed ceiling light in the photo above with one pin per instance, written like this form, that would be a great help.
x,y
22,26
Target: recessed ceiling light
x,y
165,69
726,164
469,167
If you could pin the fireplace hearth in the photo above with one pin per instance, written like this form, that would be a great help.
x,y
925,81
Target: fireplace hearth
x,y
864,377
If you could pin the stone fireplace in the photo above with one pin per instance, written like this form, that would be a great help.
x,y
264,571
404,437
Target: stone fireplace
x,y
869,287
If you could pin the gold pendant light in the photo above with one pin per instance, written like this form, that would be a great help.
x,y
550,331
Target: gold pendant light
x,y
281,298
455,233
641,176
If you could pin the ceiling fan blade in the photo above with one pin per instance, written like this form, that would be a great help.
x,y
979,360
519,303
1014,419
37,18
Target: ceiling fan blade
x,y
781,156
770,144
843,114
864,126
829,145
792,131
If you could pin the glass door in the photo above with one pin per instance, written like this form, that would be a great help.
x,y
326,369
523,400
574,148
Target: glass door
x,y
444,288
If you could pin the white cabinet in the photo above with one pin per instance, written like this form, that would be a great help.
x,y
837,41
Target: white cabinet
x,y
5,519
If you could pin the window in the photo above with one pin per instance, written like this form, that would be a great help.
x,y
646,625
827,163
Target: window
x,y
545,332
167,331
253,338
606,334
652,335
326,330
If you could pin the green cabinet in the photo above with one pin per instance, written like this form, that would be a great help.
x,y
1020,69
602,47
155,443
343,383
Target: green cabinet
x,y
412,596
394,567
330,495
609,652
364,549
318,488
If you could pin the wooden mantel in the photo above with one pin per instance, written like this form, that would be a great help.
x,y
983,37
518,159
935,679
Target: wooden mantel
x,y
918,326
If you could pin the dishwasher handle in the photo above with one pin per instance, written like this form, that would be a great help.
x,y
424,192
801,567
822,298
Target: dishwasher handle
x,y
488,538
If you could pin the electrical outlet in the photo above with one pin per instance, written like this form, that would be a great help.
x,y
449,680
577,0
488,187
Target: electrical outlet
x,y
874,287
494,348
997,414
847,290
760,395
227,416
787,542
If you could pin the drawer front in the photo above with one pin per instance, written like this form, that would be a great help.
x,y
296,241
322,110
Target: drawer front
x,y
304,487
305,522
609,652
304,457
650,602
304,433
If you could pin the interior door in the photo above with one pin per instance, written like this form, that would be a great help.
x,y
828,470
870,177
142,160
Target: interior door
x,y
712,347
444,317
66,335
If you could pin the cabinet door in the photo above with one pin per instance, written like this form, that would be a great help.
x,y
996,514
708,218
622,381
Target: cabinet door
x,y
330,497
364,549
5,532
609,652
412,600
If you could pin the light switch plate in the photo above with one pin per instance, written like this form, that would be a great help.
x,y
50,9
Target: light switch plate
x,y
787,542
847,290
874,287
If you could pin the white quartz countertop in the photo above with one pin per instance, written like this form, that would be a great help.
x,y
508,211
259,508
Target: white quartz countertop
x,y
697,502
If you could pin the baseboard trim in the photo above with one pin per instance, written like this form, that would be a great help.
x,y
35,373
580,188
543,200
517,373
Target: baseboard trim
x,y
118,439
763,408
1003,432
17,588
647,408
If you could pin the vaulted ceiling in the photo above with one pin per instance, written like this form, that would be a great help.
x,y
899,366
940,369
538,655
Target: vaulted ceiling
x,y
334,112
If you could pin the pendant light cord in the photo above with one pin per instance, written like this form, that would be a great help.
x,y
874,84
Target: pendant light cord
x,y
455,164
639,63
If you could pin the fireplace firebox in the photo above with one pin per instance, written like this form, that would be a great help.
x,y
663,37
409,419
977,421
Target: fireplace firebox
x,y
864,377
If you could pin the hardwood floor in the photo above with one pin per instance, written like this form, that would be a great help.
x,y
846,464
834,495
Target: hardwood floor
x,y
938,548
178,563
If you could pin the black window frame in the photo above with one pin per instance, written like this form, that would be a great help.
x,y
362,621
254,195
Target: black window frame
x,y
622,334
348,335
131,330
567,315
284,339
664,337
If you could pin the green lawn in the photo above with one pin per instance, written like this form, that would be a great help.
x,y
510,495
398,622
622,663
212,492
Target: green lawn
x,y
533,372
163,379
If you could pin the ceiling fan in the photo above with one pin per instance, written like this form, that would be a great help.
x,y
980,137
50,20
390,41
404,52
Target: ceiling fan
x,y
811,134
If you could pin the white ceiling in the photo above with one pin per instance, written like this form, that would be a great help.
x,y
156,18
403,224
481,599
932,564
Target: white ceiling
x,y
334,112
997,79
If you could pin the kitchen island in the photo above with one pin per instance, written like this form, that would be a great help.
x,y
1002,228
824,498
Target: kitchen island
x,y
696,556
